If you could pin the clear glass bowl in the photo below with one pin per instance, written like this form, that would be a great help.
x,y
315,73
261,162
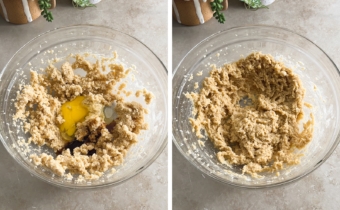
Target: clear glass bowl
x,y
307,60
151,74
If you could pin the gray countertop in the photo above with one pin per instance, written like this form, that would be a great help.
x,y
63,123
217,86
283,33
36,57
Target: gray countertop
x,y
145,20
318,21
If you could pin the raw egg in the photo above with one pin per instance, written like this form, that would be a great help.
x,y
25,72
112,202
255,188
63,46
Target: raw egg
x,y
73,112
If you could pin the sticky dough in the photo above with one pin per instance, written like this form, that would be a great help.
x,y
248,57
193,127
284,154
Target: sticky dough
x,y
50,89
250,110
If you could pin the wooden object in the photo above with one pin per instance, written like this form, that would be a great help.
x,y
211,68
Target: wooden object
x,y
21,11
193,12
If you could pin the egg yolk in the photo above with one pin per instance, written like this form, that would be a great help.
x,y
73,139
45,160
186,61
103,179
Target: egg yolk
x,y
73,112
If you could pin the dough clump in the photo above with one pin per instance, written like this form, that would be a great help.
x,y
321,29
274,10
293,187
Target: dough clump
x,y
101,146
250,110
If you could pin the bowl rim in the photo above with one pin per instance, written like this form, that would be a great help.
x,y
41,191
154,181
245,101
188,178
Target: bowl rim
x,y
74,186
219,179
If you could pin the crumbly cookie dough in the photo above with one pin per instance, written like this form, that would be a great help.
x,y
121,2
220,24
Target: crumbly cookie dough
x,y
99,147
148,96
250,110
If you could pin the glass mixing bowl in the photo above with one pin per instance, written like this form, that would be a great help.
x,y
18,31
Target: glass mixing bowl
x,y
307,60
150,74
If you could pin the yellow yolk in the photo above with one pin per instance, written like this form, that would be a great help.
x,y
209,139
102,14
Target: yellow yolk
x,y
72,112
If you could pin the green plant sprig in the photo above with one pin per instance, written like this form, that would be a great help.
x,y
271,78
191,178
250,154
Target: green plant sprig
x,y
82,3
44,5
254,4
216,7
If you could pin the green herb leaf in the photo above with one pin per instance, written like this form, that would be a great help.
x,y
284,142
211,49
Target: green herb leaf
x,y
44,5
254,4
82,3
216,7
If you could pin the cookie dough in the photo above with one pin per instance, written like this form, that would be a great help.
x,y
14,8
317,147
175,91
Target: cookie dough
x,y
251,110
97,146
148,96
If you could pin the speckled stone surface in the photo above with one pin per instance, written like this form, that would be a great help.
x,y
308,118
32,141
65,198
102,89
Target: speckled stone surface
x,y
145,20
314,19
